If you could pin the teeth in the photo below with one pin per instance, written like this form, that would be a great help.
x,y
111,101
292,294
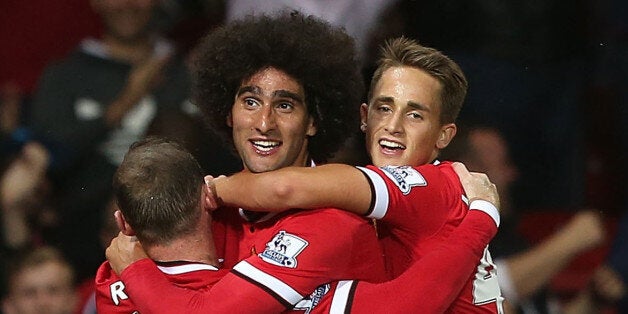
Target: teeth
x,y
391,145
265,145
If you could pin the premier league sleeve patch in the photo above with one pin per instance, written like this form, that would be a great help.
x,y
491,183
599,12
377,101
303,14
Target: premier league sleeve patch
x,y
405,177
283,249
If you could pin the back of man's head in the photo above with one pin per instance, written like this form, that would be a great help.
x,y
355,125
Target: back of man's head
x,y
158,189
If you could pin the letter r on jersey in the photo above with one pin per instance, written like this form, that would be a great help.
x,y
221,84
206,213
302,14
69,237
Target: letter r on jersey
x,y
117,292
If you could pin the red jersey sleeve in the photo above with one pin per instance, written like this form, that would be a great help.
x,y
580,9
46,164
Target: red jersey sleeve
x,y
414,200
111,296
432,283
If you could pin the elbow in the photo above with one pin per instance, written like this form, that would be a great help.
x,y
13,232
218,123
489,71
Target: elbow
x,y
283,192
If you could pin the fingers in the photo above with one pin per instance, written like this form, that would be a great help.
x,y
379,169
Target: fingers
x,y
476,185
588,226
208,180
461,170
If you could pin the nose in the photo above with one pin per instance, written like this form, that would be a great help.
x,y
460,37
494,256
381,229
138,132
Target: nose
x,y
265,120
394,124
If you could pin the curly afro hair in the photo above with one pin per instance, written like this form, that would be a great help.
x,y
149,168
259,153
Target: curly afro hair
x,y
321,57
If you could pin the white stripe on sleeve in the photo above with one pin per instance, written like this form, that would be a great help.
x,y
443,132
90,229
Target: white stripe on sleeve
x,y
277,286
380,208
486,207
340,298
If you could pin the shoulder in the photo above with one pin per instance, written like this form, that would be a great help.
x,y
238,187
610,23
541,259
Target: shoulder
x,y
405,178
329,215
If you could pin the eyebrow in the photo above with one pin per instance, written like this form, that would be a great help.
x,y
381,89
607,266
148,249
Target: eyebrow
x,y
249,89
287,94
278,93
418,106
413,104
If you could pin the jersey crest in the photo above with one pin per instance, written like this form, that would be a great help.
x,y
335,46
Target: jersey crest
x,y
310,302
405,177
283,249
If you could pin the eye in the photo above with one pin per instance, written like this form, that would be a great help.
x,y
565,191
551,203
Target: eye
x,y
383,108
251,102
415,115
285,106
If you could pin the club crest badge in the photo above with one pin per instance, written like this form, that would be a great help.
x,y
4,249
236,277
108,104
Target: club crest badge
x,y
405,177
283,249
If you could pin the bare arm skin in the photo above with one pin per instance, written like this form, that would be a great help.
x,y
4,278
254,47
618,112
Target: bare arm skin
x,y
141,80
582,232
332,185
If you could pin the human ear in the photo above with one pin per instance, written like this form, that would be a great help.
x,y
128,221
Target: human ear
x,y
123,225
311,129
229,120
447,133
364,112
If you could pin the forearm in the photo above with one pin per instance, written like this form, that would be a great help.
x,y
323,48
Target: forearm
x,y
544,260
333,185
16,230
119,107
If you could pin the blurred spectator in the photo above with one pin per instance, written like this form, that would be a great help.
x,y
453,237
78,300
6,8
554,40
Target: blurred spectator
x,y
41,282
26,210
96,102
22,191
524,270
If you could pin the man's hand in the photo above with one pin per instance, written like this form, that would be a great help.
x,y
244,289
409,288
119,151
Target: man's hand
x,y
607,284
24,175
477,185
123,251
585,230
213,201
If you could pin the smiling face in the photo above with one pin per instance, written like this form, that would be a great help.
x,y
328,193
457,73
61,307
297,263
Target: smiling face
x,y
403,119
270,122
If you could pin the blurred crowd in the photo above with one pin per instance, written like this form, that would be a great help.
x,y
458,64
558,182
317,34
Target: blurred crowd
x,y
548,102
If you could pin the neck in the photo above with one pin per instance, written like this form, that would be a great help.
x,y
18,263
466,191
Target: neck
x,y
129,51
195,247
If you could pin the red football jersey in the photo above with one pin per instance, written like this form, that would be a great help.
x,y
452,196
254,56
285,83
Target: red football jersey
x,y
283,256
111,296
286,257
418,208
422,288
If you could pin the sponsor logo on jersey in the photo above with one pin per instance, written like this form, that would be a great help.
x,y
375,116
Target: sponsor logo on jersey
x,y
405,177
283,249
310,302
